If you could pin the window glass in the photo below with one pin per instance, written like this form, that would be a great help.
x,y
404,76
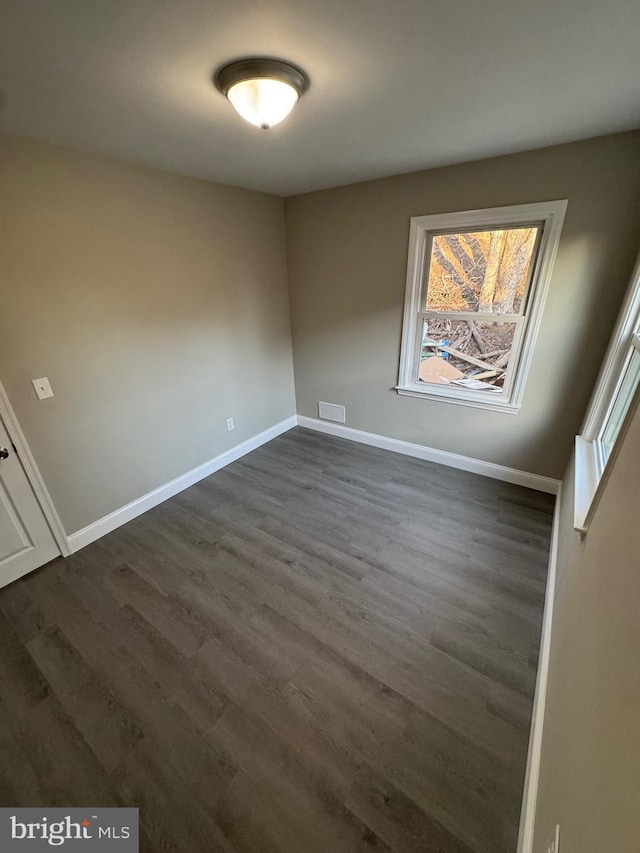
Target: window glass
x,y
481,271
471,354
624,396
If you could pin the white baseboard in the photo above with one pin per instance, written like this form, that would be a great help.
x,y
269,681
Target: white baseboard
x,y
442,457
532,775
121,516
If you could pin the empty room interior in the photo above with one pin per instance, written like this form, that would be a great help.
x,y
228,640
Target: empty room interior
x,y
319,426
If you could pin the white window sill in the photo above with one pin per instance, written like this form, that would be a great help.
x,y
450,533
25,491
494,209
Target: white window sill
x,y
586,483
474,401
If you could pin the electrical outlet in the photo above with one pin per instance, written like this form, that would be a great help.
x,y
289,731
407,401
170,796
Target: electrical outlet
x,y
553,845
230,424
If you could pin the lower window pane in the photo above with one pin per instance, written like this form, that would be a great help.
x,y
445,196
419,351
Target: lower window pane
x,y
468,354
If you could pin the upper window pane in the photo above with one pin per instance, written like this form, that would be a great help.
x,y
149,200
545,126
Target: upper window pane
x,y
480,271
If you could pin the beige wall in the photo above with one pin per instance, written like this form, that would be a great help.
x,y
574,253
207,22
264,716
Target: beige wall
x,y
590,782
156,305
347,254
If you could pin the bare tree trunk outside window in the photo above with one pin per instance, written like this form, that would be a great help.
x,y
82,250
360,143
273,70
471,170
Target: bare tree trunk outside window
x,y
516,254
492,269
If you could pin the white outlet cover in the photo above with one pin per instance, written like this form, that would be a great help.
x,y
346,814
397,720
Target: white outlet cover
x,y
230,424
42,387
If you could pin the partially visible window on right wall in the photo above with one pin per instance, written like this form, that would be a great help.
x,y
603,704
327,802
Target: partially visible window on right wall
x,y
616,397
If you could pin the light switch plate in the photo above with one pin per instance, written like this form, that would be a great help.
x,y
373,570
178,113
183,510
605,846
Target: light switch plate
x,y
42,388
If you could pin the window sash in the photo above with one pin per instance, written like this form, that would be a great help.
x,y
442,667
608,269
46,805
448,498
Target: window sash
x,y
517,319
603,449
481,317
594,460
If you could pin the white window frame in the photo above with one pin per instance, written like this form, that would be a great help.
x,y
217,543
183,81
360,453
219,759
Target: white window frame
x,y
592,464
549,216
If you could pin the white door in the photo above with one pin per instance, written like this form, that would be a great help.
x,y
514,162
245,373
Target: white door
x,y
25,539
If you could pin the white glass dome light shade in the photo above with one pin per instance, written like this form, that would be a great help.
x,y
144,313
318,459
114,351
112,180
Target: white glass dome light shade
x,y
263,101
262,90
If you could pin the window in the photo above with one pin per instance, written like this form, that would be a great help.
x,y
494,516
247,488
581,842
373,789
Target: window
x,y
614,400
476,283
623,397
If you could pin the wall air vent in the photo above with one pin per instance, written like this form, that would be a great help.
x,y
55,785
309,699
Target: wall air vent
x,y
331,412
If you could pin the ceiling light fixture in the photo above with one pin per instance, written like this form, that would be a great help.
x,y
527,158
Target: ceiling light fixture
x,y
263,91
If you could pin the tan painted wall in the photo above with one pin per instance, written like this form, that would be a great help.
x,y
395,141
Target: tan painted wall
x,y
347,253
590,772
156,305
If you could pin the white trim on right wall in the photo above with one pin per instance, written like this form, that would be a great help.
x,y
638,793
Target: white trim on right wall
x,y
595,456
532,774
614,358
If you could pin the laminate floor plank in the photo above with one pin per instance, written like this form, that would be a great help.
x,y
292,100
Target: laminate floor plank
x,y
397,819
24,787
454,781
312,818
96,713
323,646
23,684
170,816
67,770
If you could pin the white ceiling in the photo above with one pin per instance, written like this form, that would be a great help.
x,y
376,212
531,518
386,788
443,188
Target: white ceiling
x,y
396,85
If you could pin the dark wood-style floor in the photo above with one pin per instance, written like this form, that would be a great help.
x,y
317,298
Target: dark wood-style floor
x,y
322,648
